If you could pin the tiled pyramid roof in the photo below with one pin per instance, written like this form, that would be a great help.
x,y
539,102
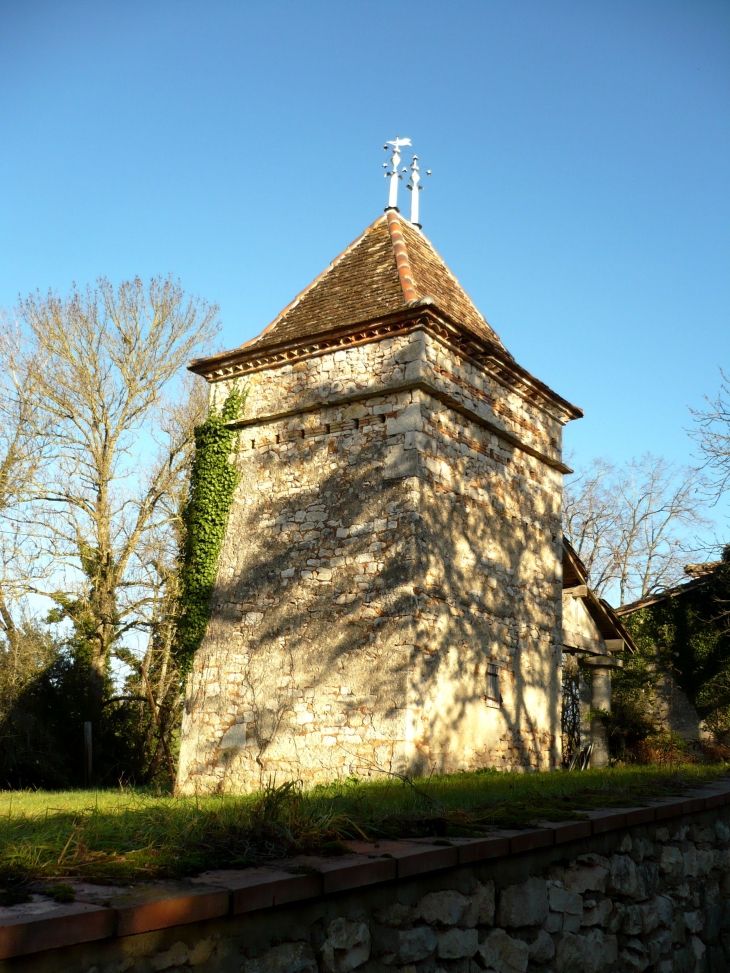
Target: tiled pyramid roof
x,y
389,267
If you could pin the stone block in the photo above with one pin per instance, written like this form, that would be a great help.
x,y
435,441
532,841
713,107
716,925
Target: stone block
x,y
416,944
347,945
623,878
587,876
523,905
287,958
585,954
480,911
571,923
561,900
457,943
501,953
542,948
596,912
659,944
634,956
656,912
671,864
647,876
414,350
443,908
632,922
642,848
177,955
694,921
397,916
408,420
553,922
690,863
698,949
400,463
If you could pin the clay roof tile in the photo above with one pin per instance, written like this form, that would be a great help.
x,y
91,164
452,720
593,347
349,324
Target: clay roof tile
x,y
389,267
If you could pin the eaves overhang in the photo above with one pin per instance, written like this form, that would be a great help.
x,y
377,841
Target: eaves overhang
x,y
423,314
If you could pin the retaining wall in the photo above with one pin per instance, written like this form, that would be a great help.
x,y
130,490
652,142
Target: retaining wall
x,y
623,890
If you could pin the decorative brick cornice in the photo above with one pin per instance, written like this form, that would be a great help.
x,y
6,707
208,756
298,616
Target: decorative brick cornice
x,y
491,358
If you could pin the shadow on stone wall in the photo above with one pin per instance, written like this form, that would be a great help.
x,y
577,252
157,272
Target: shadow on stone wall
x,y
414,593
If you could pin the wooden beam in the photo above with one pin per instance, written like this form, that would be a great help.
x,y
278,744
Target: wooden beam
x,y
577,591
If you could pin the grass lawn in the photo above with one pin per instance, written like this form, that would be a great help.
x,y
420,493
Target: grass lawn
x,y
135,834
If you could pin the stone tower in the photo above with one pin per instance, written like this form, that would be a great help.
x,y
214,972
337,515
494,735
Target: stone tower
x,y
389,590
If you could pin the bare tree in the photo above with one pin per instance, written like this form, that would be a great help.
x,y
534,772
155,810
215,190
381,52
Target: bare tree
x,y
589,520
110,357
23,450
154,680
712,433
631,524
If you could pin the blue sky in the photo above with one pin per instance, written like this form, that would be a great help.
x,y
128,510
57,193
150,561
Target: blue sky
x,y
580,150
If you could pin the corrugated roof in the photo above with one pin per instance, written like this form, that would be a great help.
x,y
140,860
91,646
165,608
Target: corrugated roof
x,y
389,267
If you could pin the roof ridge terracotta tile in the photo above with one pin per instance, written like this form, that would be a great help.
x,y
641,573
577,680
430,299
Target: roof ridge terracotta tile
x,y
433,278
401,257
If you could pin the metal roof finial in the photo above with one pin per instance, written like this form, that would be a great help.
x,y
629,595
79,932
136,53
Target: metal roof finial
x,y
415,189
393,174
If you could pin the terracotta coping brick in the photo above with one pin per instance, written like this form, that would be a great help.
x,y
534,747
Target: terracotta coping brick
x,y
262,888
669,808
607,820
568,830
530,838
415,857
143,910
715,795
479,849
23,932
347,871
632,815
693,805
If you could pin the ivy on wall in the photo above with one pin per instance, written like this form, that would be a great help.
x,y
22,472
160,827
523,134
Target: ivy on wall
x,y
213,482
692,633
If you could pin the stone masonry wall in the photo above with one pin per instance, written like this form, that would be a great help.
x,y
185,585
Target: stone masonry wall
x,y
382,550
660,901
653,897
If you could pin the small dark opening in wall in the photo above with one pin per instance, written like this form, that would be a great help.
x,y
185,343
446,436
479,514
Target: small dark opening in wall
x,y
493,683
328,427
357,423
302,433
253,443
382,417
278,438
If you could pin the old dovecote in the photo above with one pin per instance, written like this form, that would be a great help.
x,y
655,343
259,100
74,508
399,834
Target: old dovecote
x,y
389,590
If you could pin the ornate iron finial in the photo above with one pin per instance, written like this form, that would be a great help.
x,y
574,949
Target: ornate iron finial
x,y
393,174
415,189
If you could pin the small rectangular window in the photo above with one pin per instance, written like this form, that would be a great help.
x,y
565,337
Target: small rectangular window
x,y
493,683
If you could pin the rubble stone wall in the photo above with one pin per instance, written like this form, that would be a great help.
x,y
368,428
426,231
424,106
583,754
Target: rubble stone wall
x,y
650,898
381,552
